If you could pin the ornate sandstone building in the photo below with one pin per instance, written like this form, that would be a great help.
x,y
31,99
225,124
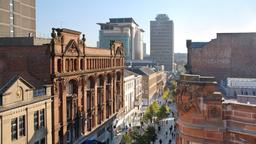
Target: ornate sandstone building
x,y
204,117
87,83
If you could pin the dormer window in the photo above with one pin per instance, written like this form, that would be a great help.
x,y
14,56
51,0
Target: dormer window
x,y
39,92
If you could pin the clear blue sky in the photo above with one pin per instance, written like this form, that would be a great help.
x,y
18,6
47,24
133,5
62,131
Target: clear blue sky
x,y
198,20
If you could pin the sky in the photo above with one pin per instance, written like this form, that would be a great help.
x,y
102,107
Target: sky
x,y
198,20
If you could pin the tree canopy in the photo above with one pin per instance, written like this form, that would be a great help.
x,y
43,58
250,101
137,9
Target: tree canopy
x,y
151,112
163,112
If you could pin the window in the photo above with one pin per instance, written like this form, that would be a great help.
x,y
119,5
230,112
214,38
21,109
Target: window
x,y
81,64
253,93
14,129
68,109
68,135
39,119
42,118
22,125
39,92
43,141
59,65
36,124
75,65
71,88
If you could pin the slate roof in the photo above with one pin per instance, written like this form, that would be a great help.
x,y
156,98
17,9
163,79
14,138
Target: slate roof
x,y
10,82
197,44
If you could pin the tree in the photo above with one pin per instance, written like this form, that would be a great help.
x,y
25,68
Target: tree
x,y
163,112
127,138
151,112
150,134
166,94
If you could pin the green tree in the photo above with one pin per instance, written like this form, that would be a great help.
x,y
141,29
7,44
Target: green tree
x,y
150,134
151,112
163,112
166,94
127,138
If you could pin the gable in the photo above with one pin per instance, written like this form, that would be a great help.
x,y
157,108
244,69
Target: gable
x,y
119,51
72,49
16,91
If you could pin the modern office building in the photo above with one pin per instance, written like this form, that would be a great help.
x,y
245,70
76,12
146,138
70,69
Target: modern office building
x,y
125,30
161,41
18,18
86,83
144,50
228,55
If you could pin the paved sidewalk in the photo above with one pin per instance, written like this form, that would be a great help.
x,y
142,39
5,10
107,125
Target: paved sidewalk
x,y
165,131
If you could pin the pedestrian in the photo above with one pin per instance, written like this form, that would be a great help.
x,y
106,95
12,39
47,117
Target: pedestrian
x,y
160,141
166,133
170,141
159,128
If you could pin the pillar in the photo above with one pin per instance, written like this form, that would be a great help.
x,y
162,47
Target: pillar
x,y
104,98
95,102
64,111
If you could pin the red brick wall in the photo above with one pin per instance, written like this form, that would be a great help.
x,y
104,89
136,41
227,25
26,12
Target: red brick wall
x,y
229,55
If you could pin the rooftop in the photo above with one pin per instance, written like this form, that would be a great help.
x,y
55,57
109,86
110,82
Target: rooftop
x,y
122,20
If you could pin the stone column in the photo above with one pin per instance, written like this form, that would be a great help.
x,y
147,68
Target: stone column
x,y
79,104
114,92
64,111
111,95
95,102
63,65
122,88
84,87
55,109
104,98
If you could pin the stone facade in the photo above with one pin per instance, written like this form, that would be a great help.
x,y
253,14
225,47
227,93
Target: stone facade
x,y
229,55
205,118
87,82
153,83
239,86
24,117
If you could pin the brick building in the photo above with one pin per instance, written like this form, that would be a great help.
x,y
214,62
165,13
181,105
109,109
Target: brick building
x,y
204,117
229,55
87,83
